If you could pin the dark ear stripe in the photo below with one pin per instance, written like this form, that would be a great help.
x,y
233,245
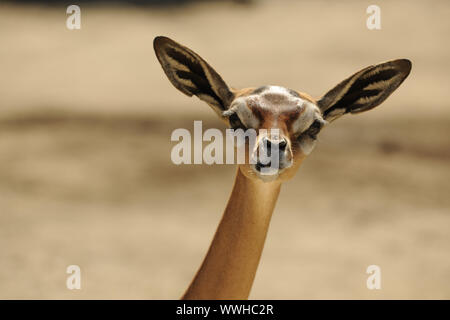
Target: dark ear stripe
x,y
201,86
367,79
185,60
365,89
190,74
195,74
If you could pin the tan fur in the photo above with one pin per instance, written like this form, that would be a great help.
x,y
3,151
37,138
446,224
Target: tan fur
x,y
229,268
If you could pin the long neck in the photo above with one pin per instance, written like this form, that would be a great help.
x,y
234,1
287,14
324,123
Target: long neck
x,y
229,267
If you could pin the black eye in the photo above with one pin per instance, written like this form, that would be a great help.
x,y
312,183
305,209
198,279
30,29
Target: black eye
x,y
314,129
235,122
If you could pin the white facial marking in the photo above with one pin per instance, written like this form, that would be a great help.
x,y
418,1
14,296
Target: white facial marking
x,y
244,113
276,89
306,118
273,102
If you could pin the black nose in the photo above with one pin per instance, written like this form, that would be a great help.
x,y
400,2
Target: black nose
x,y
282,143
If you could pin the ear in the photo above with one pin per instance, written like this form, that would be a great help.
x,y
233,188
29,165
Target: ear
x,y
365,89
192,75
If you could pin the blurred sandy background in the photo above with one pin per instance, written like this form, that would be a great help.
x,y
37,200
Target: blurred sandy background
x,y
85,170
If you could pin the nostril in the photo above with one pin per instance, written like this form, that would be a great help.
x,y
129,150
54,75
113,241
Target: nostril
x,y
283,143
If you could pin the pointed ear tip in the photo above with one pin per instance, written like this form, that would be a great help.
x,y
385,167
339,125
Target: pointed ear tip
x,y
157,42
160,41
405,65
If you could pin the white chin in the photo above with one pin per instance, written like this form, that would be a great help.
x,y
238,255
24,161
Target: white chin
x,y
268,174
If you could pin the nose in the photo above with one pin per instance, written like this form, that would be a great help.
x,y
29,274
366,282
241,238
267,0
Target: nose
x,y
265,159
272,152
270,143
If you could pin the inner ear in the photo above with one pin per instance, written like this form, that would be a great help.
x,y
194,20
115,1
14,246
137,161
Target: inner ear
x,y
365,89
192,75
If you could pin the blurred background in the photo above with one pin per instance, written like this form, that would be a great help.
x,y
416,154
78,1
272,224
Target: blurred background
x,y
85,172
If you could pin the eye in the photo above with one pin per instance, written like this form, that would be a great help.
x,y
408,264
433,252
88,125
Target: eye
x,y
314,129
235,122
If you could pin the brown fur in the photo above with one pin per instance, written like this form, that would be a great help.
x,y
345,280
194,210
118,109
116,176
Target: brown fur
x,y
229,267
